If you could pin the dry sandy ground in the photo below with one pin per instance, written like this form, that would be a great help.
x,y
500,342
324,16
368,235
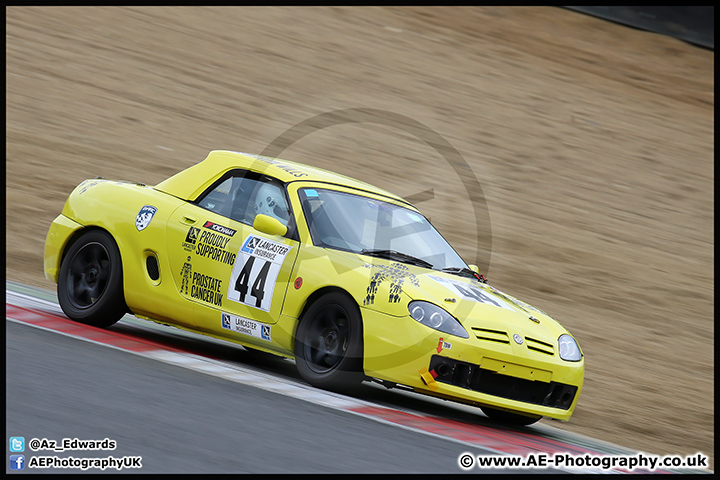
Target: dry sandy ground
x,y
593,144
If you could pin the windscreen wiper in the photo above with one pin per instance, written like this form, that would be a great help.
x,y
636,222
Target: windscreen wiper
x,y
399,256
464,272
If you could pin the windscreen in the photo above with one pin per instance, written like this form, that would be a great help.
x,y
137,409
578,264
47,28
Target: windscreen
x,y
362,225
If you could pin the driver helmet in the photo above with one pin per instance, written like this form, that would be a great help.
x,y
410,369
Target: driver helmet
x,y
269,201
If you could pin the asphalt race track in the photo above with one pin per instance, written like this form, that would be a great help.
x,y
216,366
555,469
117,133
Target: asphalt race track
x,y
185,404
187,422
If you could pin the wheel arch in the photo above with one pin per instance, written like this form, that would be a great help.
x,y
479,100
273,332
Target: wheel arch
x,y
319,293
79,233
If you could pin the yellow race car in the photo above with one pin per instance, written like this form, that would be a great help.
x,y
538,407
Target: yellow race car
x,y
351,281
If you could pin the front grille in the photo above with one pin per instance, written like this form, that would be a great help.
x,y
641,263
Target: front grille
x,y
539,346
489,335
502,337
473,377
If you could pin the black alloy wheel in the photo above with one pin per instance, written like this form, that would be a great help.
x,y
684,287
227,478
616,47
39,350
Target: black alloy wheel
x,y
328,344
90,283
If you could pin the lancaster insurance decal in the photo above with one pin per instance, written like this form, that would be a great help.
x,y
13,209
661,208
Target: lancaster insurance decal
x,y
246,326
255,272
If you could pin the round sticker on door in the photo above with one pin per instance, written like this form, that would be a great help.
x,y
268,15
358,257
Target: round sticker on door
x,y
144,217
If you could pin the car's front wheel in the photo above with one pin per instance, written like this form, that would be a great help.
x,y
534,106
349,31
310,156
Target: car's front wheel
x,y
328,344
90,283
510,418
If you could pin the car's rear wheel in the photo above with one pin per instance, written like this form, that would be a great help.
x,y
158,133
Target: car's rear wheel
x,y
510,418
90,283
328,344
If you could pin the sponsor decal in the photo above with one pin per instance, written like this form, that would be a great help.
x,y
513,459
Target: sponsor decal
x,y
144,217
191,238
250,244
294,171
255,272
396,274
525,306
219,228
298,283
246,326
443,345
212,245
472,292
186,274
87,185
262,247
206,289
291,169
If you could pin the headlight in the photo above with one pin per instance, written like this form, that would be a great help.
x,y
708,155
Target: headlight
x,y
569,349
435,317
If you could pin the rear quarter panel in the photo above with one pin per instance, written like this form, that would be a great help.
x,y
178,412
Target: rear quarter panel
x,y
114,207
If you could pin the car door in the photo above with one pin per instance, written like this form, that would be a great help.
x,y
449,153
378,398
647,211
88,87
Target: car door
x,y
236,275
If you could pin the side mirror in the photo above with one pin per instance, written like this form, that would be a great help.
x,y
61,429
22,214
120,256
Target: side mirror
x,y
269,225
474,268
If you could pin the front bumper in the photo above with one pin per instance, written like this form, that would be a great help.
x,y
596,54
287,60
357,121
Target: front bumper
x,y
507,377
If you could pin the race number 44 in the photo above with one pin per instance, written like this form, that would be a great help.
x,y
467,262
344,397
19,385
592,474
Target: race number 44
x,y
255,272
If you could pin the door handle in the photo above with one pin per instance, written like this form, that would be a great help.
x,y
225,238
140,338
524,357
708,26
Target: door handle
x,y
187,220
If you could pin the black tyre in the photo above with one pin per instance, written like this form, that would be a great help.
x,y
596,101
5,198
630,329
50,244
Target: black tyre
x,y
508,418
328,344
90,283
